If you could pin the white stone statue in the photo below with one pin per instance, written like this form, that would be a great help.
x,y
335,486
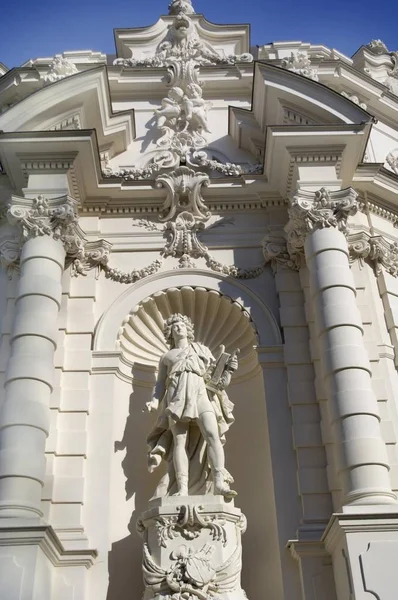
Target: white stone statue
x,y
196,109
195,414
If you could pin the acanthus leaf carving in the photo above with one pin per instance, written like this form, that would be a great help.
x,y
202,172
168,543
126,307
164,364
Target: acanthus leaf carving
x,y
9,254
57,218
276,252
382,253
310,211
40,216
59,69
300,63
92,255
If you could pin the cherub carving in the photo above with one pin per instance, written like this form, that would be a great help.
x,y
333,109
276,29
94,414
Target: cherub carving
x,y
195,108
167,116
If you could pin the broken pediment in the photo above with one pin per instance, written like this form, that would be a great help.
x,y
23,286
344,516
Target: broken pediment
x,y
190,34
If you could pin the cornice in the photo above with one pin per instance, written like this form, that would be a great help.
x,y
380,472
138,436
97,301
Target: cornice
x,y
343,524
379,181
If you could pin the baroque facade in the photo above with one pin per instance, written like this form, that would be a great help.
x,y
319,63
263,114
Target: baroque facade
x,y
253,196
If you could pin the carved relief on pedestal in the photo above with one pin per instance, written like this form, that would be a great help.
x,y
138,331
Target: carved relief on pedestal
x,y
199,561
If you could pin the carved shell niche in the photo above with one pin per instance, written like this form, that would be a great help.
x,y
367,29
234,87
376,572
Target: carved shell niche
x,y
217,319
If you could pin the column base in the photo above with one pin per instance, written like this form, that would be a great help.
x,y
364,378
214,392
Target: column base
x,y
192,548
364,549
32,560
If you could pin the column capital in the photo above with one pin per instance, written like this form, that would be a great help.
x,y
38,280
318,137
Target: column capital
x,y
309,211
317,210
58,219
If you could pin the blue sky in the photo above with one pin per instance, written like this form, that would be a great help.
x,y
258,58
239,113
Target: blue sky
x,y
43,28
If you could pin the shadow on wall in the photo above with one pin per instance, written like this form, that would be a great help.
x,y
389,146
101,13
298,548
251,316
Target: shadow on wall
x,y
124,559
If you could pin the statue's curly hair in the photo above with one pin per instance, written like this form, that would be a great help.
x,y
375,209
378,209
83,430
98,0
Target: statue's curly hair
x,y
169,324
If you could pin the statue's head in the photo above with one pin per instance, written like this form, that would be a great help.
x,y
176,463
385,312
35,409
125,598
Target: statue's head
x,y
194,90
176,94
178,326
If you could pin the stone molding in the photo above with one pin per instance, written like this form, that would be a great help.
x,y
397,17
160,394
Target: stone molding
x,y
18,533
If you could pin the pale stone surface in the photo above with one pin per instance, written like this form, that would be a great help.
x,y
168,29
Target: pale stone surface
x,y
192,545
185,206
195,414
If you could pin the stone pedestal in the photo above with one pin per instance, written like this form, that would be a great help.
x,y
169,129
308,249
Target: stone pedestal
x,y
192,548
364,550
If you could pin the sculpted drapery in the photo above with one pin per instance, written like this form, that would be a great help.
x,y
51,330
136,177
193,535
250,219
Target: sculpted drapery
x,y
195,414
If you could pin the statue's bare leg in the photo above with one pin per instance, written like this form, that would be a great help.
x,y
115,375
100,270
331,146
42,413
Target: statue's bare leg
x,y
209,429
180,456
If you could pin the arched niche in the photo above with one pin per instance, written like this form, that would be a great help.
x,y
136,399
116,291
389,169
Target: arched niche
x,y
107,331
225,312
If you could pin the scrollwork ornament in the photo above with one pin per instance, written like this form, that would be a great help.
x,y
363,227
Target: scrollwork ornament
x,y
276,252
40,217
192,574
184,187
183,43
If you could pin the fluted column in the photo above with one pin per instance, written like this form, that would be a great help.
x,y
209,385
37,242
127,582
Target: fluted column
x,y
318,226
48,230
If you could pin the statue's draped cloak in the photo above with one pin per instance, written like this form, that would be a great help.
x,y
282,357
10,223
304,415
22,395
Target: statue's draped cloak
x,y
185,391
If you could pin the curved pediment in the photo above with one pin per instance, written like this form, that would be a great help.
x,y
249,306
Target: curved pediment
x,y
281,97
80,101
144,42
294,118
